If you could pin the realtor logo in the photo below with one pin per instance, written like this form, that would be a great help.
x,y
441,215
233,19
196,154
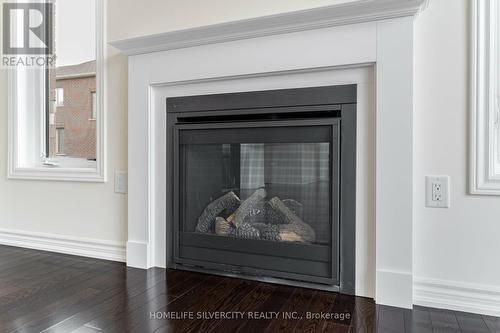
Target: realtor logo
x,y
27,28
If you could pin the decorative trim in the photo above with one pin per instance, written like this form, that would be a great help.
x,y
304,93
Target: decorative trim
x,y
85,247
323,17
394,288
138,255
483,178
458,296
56,174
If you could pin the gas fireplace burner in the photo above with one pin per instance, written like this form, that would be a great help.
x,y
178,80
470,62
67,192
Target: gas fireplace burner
x,y
262,185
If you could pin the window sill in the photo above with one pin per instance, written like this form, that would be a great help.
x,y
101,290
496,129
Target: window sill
x,y
52,173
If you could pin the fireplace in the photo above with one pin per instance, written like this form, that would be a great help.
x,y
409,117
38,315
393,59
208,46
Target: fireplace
x,y
262,185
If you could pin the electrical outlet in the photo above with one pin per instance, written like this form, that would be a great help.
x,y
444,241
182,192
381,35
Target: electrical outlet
x,y
437,194
120,182
437,191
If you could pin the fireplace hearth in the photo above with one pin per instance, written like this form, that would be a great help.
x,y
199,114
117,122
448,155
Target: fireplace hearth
x,y
262,185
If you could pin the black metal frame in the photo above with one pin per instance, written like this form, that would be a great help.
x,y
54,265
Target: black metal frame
x,y
333,124
334,106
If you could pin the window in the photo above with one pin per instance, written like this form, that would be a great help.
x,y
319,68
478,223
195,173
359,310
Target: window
x,y
50,135
93,113
485,98
60,141
59,96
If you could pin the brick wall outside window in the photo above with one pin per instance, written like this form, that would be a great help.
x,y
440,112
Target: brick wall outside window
x,y
78,83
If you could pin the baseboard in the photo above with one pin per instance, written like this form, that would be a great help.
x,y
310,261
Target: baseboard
x,y
84,247
394,288
458,296
138,255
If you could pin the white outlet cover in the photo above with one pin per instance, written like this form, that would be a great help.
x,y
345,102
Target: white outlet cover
x,y
444,181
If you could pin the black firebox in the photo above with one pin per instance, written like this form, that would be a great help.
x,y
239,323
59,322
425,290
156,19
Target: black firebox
x,y
263,185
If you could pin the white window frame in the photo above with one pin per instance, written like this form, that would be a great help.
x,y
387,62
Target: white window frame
x,y
26,130
484,174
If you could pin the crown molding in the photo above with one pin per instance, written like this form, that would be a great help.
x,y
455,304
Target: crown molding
x,y
323,17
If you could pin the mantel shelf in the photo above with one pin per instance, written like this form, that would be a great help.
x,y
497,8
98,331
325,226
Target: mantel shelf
x,y
323,17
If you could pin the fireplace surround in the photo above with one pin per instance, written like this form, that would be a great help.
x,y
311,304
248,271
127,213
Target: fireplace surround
x,y
330,45
263,185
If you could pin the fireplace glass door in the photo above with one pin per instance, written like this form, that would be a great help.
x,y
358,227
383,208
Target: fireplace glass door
x,y
260,198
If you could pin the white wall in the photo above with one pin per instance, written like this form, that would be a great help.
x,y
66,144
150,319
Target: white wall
x,y
461,243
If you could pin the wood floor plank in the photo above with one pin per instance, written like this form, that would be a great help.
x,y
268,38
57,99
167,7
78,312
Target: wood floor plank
x,y
295,306
330,326
471,323
9,269
141,318
75,318
391,320
249,302
57,302
418,320
322,303
204,299
229,300
179,283
32,303
8,254
133,302
493,323
7,287
364,317
443,321
36,321
28,298
343,308
274,303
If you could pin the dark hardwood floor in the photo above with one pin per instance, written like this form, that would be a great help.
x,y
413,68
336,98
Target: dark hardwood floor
x,y
48,292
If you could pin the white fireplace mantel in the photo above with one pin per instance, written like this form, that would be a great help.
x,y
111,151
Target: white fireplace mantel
x,y
316,18
318,46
